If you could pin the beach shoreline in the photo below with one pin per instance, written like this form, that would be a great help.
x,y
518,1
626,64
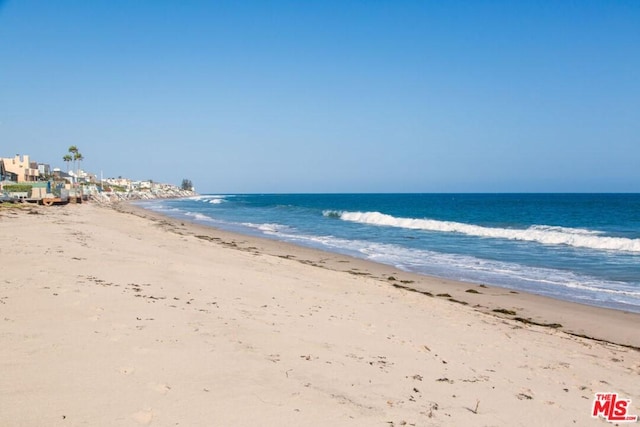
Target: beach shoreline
x,y
116,315
571,317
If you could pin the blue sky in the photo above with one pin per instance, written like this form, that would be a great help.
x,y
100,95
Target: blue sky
x,y
329,96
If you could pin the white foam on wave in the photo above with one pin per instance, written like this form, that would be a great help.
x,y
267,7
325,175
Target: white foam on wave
x,y
545,281
548,235
555,228
198,216
162,208
213,199
268,228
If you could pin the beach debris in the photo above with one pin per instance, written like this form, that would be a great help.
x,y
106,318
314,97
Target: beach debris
x,y
381,362
482,378
504,311
353,272
533,322
472,291
433,406
475,410
407,288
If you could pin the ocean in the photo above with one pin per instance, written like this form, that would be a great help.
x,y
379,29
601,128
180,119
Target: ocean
x,y
577,247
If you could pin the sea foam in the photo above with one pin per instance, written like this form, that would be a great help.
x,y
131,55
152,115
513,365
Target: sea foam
x,y
544,234
209,198
546,281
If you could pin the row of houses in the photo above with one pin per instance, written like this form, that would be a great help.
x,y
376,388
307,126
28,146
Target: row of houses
x,y
20,169
127,184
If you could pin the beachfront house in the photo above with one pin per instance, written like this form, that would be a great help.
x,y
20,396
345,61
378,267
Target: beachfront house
x,y
60,175
44,169
122,183
141,185
87,177
6,177
21,167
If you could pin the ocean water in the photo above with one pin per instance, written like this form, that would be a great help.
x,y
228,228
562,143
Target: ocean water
x,y
578,247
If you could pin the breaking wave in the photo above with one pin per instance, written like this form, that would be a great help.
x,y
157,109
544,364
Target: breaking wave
x,y
210,198
267,228
544,234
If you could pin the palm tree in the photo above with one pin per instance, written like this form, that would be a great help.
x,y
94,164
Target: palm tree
x,y
79,158
73,151
67,159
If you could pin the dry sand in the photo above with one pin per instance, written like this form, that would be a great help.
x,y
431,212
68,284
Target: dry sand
x,y
124,318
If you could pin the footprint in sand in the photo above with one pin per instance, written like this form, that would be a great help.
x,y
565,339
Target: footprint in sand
x,y
160,388
143,417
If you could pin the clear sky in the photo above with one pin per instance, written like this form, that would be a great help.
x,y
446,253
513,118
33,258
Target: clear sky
x,y
329,96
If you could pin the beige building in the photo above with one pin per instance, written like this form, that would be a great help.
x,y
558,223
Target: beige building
x,y
25,171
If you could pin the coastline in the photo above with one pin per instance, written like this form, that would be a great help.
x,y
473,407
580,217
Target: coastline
x,y
123,316
599,323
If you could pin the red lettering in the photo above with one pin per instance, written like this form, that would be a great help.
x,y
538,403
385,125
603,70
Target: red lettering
x,y
618,411
601,407
620,408
608,406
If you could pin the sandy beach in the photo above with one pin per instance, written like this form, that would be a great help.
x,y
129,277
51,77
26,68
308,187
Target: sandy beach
x,y
118,316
